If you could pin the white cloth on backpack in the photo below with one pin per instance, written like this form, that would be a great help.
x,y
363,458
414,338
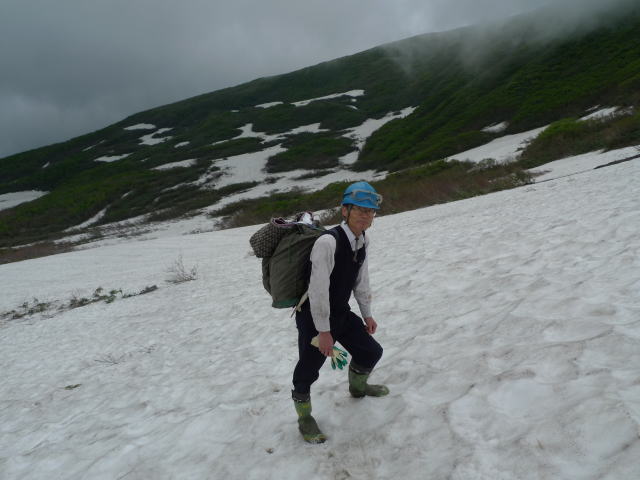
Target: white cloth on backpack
x,y
322,263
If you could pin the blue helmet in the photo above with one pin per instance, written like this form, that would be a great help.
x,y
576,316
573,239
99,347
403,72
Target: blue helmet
x,y
363,195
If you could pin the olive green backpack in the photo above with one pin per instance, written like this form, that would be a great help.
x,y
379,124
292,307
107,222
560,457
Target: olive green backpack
x,y
285,248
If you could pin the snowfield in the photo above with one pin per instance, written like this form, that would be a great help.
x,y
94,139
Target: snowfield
x,y
510,322
503,149
10,200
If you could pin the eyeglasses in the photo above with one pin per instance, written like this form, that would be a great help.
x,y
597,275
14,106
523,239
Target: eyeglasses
x,y
364,195
363,210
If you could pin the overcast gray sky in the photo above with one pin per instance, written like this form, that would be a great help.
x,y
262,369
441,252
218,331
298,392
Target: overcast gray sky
x,y
69,67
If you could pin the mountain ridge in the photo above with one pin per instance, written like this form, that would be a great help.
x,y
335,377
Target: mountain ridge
x,y
533,81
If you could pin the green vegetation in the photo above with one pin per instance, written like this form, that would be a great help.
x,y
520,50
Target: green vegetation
x,y
127,192
334,115
536,87
311,152
570,137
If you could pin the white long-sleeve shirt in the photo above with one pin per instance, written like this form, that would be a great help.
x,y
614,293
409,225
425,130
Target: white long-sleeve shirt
x,y
322,263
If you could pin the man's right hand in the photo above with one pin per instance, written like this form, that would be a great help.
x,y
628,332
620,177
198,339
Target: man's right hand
x,y
325,343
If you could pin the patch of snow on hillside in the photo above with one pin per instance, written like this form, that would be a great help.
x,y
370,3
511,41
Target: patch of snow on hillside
x,y
181,164
111,158
181,144
246,131
502,149
582,163
362,132
607,112
141,126
511,348
313,128
350,93
46,165
268,105
93,146
247,167
151,139
10,200
89,222
496,127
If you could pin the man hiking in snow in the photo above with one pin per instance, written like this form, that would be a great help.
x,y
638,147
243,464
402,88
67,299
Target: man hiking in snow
x,y
339,266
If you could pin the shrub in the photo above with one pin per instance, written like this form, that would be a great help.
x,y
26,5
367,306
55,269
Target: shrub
x,y
179,273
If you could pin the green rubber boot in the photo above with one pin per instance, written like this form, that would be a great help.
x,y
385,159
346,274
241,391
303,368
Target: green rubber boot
x,y
306,423
358,386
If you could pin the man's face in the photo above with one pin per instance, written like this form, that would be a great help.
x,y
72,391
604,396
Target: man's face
x,y
359,219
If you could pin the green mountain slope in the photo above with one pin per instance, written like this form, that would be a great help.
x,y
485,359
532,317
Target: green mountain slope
x,y
530,87
460,81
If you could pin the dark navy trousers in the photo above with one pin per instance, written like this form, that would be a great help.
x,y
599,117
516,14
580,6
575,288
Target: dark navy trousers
x,y
349,331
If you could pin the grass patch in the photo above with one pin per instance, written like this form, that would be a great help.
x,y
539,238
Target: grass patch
x,y
315,152
570,137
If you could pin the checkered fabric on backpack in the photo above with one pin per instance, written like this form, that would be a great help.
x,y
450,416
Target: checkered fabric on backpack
x,y
265,240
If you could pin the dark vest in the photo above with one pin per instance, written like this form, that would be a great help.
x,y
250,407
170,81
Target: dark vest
x,y
344,274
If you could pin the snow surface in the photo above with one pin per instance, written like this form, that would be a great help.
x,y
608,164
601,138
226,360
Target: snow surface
x,y
141,126
350,93
607,112
268,105
246,131
582,163
246,167
92,146
181,144
89,222
510,322
496,127
502,149
111,158
10,200
181,164
312,128
152,139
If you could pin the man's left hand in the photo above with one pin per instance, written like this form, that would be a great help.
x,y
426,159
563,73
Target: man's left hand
x,y
370,325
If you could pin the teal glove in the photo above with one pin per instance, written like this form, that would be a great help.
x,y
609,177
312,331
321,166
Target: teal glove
x,y
338,356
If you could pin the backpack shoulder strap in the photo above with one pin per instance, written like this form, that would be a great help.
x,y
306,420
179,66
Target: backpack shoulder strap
x,y
334,233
